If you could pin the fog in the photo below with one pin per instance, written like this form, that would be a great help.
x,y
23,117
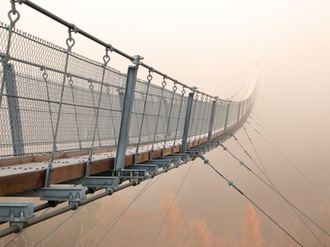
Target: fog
x,y
212,46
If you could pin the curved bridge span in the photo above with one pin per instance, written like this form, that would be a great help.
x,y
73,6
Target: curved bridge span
x,y
71,125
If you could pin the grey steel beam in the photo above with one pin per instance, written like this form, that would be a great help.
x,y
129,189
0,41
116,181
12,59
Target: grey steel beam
x,y
239,112
187,122
16,211
214,104
14,109
227,115
63,193
126,117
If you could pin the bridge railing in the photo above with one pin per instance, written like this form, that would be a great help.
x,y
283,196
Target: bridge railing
x,y
53,99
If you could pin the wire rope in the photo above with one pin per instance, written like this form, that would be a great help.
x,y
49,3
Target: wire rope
x,y
293,207
177,193
121,215
231,183
20,233
104,218
289,161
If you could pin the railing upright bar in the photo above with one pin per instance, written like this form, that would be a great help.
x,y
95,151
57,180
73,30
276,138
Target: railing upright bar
x,y
227,116
211,124
187,122
126,117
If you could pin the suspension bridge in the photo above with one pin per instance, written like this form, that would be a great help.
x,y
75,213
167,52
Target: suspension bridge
x,y
71,125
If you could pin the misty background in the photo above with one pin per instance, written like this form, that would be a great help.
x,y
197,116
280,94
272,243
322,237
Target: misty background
x,y
214,46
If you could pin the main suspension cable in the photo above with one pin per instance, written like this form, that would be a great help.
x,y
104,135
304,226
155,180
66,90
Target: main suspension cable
x,y
317,225
289,161
123,212
231,183
293,154
274,188
266,176
176,195
106,216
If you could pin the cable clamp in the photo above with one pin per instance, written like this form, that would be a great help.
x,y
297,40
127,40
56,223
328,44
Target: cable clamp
x,y
136,59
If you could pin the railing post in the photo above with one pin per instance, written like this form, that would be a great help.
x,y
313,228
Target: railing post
x,y
239,112
187,121
214,104
126,117
13,109
244,108
227,115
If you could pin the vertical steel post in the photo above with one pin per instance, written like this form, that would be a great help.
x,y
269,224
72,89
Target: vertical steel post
x,y
244,108
126,117
227,116
214,104
13,109
166,118
239,112
187,122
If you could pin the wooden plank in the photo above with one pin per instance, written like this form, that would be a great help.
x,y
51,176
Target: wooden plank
x,y
21,182
12,184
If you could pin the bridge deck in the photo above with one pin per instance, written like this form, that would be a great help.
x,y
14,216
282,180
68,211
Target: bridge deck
x,y
20,175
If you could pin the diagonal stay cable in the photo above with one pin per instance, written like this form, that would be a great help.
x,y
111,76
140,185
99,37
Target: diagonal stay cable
x,y
292,153
267,177
177,193
317,225
254,148
265,173
290,162
106,217
231,183
52,231
123,212
20,233
278,125
294,208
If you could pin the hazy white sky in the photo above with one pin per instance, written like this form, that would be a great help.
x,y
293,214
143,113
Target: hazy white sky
x,y
210,44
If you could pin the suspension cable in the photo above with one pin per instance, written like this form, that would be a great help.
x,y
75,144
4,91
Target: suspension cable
x,y
291,163
20,233
274,188
105,217
52,231
278,126
123,212
292,153
231,183
266,176
176,195
300,210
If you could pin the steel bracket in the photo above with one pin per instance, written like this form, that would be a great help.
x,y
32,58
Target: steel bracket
x,y
16,212
63,193
99,182
163,163
130,173
150,168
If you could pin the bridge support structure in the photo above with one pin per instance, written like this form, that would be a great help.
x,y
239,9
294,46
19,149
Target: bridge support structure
x,y
187,121
126,117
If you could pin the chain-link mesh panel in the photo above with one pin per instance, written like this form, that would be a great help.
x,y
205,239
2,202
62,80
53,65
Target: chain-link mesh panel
x,y
44,100
31,98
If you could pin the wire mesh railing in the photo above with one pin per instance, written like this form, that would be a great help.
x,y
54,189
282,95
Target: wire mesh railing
x,y
53,99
